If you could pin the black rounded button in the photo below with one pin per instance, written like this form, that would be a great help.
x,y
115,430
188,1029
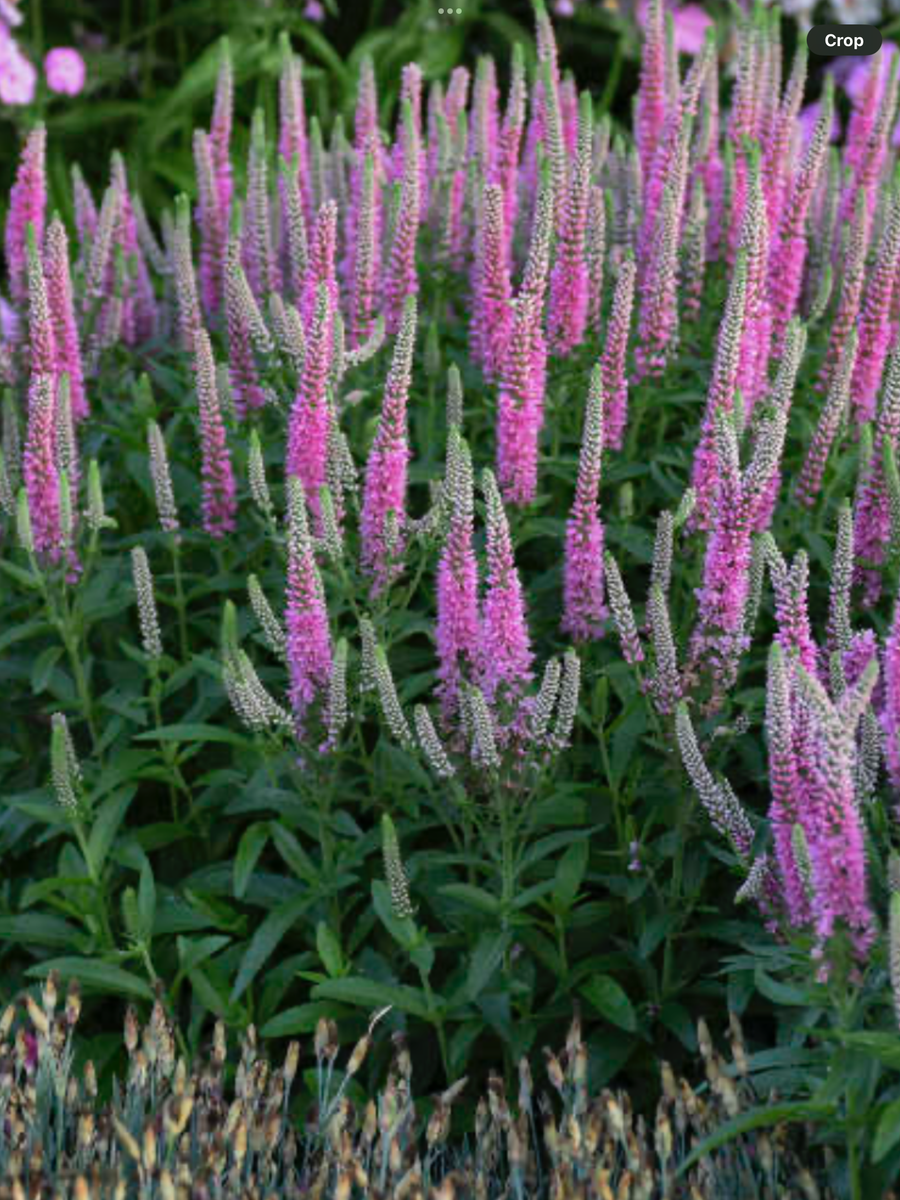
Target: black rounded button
x,y
854,40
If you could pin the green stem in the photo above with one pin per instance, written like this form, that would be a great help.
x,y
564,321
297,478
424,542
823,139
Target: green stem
x,y
179,598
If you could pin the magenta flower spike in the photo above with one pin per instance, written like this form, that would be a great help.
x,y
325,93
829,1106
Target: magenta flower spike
x,y
505,650
246,390
615,380
778,140
891,712
492,290
853,273
457,631
720,398
485,124
401,278
190,323
138,300
755,348
583,609
257,254
293,141
875,330
568,308
520,404
720,638
872,513
310,420
384,491
410,94
308,643
509,148
366,257
212,223
67,351
321,266
787,257
219,502
85,213
39,469
650,115
742,124
658,316
788,783
42,343
220,132
27,204
837,846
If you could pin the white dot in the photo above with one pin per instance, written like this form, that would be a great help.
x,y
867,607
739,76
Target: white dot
x,y
440,11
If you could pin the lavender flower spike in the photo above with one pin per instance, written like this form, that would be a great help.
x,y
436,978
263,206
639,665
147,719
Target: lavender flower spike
x,y
27,202
384,491
309,650
219,503
506,656
583,608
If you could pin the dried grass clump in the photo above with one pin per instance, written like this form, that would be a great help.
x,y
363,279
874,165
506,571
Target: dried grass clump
x,y
173,1132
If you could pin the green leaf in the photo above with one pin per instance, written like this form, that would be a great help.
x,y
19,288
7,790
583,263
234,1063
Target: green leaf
x,y
610,1000
569,873
38,929
106,824
486,959
194,733
329,950
293,853
887,1133
98,976
20,633
302,1019
266,940
249,849
191,952
370,994
472,897
779,993
43,667
883,1046
147,901
756,1118
403,931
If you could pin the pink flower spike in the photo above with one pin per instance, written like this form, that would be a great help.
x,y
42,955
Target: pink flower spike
x,y
384,491
310,421
27,202
891,715
219,503
65,71
18,77
67,351
457,629
583,608
505,651
309,650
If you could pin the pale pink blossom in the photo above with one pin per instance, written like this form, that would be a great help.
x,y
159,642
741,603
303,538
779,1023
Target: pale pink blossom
x,y
65,71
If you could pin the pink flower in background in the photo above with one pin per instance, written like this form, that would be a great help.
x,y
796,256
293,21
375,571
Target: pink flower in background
x,y
314,11
9,322
9,13
691,23
18,77
65,71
